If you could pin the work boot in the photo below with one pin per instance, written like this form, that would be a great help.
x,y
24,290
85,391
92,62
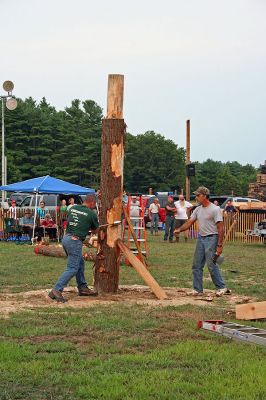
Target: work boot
x,y
57,296
194,293
87,292
221,292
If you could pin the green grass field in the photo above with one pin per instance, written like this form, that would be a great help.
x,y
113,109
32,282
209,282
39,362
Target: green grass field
x,y
122,351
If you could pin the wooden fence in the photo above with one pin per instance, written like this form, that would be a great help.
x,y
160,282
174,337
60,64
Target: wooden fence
x,y
236,227
244,221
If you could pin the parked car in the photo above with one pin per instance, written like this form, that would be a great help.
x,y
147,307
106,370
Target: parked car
x,y
220,199
52,201
18,197
238,201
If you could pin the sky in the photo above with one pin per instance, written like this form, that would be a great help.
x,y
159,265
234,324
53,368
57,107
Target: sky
x,y
199,60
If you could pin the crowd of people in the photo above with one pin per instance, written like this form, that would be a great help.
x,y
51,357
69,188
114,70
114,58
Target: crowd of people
x,y
180,216
43,225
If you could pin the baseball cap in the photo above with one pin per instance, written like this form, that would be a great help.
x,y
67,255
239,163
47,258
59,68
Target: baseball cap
x,y
202,190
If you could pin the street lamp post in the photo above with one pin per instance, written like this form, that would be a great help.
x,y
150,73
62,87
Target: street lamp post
x,y
11,103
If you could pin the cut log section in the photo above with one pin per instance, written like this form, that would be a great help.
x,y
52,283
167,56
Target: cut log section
x,y
142,271
251,310
58,251
52,251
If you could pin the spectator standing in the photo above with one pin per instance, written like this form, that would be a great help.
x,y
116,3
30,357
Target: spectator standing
x,y
12,212
71,203
183,208
81,219
230,209
154,215
42,210
209,243
170,210
63,207
134,213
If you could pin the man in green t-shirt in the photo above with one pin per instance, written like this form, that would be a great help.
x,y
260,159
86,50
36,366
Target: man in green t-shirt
x,y
81,219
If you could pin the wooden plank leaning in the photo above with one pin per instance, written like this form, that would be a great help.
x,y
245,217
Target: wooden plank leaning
x,y
142,271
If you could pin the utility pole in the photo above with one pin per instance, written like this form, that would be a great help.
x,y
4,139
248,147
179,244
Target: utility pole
x,y
11,104
187,159
106,273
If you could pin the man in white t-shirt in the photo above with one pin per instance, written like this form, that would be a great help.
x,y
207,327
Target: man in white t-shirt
x,y
182,211
154,215
134,213
71,202
209,243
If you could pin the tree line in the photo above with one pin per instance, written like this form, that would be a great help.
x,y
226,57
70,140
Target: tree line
x,y
67,144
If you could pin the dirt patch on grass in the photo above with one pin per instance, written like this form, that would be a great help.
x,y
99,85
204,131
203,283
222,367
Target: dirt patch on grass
x,y
134,294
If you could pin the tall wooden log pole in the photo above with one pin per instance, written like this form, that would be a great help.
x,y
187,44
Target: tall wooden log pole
x,y
188,159
106,273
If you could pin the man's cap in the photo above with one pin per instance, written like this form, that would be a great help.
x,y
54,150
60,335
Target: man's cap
x,y
202,190
13,201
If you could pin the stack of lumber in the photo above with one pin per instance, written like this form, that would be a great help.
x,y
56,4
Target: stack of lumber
x,y
258,189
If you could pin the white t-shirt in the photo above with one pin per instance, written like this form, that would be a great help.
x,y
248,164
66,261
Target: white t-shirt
x,y
182,209
207,218
154,208
134,209
12,212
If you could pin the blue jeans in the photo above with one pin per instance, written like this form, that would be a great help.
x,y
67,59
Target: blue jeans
x,y
154,222
75,264
169,227
205,250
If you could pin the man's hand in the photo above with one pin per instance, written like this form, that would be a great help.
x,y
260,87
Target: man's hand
x,y
177,230
219,250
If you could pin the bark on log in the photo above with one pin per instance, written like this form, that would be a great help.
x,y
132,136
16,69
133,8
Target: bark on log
x,y
106,273
57,251
52,251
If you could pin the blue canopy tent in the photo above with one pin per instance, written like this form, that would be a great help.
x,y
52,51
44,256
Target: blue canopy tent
x,y
45,184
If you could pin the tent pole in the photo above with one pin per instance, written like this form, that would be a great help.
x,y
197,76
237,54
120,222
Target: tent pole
x,y
34,223
56,221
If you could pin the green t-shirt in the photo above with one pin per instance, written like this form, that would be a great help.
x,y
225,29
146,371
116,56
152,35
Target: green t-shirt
x,y
80,220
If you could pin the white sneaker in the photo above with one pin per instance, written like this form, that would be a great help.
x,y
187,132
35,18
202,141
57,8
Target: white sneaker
x,y
194,293
223,291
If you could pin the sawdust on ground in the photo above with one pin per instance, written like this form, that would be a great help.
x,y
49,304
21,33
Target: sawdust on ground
x,y
133,294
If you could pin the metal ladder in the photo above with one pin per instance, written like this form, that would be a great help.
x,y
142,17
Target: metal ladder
x,y
232,330
138,224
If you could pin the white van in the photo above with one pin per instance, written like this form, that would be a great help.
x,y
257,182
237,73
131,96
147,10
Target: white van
x,y
238,201
52,201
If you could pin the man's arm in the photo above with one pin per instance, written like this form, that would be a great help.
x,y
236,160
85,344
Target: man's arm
x,y
186,226
170,208
220,228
